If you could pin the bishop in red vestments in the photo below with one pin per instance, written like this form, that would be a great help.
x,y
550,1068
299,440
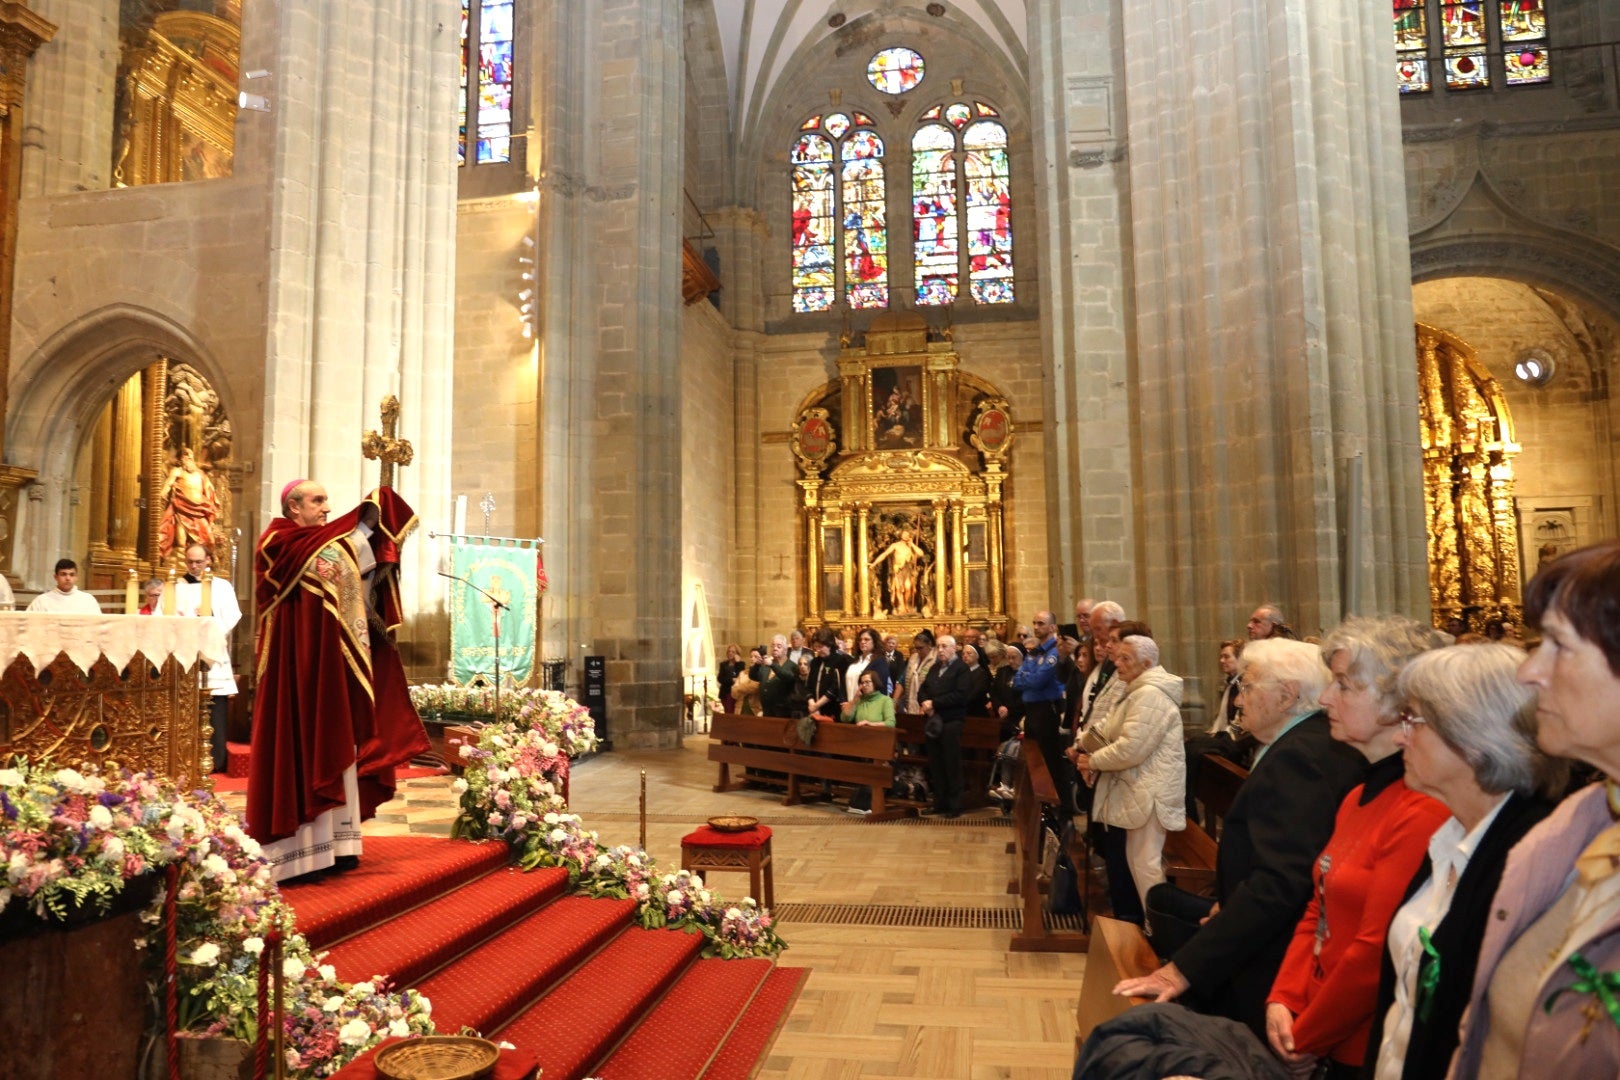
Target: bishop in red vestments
x,y
332,716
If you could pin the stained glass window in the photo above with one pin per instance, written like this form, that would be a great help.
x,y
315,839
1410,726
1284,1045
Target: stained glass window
x,y
866,244
461,110
933,213
813,223
495,81
896,70
989,212
1461,36
1524,42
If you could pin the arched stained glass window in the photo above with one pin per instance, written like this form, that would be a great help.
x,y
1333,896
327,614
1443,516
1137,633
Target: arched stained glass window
x,y
934,198
961,190
839,209
812,223
1468,37
989,212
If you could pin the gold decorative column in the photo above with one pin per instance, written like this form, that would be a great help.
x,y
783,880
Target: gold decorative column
x,y
128,462
21,33
863,601
957,550
993,514
812,550
939,551
851,589
100,486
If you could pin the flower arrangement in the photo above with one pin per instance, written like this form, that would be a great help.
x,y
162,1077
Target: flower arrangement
x,y
510,791
563,720
78,839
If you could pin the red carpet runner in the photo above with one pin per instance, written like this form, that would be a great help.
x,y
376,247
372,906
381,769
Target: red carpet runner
x,y
569,979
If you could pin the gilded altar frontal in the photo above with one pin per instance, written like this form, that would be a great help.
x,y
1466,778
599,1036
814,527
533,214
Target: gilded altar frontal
x,y
755,316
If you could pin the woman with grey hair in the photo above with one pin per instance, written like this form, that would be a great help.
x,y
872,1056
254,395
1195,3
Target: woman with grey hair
x,y
1321,1004
1468,733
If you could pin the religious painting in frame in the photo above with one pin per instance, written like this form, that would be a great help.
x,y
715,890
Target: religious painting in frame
x,y
897,408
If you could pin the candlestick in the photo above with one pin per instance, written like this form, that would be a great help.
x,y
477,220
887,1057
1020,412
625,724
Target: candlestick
x,y
205,607
168,594
132,594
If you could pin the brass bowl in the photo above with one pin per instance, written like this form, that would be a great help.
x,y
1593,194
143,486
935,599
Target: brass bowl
x,y
733,823
438,1057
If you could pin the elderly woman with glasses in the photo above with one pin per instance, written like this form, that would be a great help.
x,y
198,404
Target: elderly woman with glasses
x,y
1545,1000
1468,735
1223,959
1321,1004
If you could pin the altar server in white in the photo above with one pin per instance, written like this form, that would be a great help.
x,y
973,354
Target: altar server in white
x,y
67,598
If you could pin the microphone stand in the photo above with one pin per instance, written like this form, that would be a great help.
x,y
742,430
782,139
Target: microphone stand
x,y
495,609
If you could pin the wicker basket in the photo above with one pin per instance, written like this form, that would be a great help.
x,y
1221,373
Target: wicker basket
x,y
438,1057
733,823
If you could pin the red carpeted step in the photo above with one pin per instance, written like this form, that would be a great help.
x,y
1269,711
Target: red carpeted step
x,y
486,987
575,1025
678,1038
396,873
751,1039
409,947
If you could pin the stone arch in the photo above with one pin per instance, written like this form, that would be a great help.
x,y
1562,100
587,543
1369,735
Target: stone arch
x,y
63,385
1571,265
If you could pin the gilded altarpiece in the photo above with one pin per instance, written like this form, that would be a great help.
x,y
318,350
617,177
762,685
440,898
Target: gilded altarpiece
x,y
1468,451
903,468
177,87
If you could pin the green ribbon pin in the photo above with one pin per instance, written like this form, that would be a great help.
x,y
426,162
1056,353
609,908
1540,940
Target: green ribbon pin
x,y
1428,975
1602,984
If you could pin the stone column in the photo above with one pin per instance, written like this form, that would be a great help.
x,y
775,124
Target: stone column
x,y
68,120
361,186
1272,316
608,89
1077,102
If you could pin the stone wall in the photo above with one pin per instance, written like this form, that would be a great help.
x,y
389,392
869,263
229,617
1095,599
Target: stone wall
x,y
708,471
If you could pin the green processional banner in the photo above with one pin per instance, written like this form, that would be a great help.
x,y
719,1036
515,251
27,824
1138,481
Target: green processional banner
x,y
508,571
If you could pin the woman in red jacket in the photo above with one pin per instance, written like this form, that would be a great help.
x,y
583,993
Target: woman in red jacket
x,y
1321,1004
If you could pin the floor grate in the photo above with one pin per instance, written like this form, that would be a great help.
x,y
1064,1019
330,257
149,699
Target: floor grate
x,y
901,915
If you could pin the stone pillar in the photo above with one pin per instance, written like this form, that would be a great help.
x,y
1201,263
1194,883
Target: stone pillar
x,y
608,101
1077,103
362,192
128,469
68,120
1272,317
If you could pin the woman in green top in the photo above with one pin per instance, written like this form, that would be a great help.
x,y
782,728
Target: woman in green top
x,y
873,708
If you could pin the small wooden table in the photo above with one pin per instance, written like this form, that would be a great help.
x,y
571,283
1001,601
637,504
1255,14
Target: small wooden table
x,y
708,849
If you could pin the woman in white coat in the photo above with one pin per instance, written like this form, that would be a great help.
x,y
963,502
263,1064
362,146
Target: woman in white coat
x,y
1141,770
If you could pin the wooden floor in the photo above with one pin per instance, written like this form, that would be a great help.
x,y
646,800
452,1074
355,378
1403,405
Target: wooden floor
x,y
882,1000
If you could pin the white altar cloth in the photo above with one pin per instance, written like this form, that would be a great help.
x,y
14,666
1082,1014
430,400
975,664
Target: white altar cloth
x,y
86,638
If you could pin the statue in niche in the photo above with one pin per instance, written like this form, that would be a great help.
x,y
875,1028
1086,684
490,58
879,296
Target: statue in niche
x,y
908,564
190,507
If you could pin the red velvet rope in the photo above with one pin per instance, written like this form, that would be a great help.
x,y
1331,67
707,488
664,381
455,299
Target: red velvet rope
x,y
268,960
171,990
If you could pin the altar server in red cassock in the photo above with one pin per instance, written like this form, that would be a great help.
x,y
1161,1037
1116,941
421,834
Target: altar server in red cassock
x,y
332,717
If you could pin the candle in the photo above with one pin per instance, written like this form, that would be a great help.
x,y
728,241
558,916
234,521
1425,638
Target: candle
x,y
168,594
132,594
205,606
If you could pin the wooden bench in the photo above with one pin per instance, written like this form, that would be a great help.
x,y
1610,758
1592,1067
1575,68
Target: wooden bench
x,y
1034,791
1118,950
1190,855
981,738
840,753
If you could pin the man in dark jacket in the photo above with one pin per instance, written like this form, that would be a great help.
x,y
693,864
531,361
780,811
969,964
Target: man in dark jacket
x,y
944,699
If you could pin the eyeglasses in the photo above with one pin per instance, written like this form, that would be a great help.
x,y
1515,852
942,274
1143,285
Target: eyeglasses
x,y
1410,720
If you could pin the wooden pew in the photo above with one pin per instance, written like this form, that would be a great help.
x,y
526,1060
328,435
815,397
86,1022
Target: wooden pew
x,y
1035,790
840,753
1118,950
981,738
1189,855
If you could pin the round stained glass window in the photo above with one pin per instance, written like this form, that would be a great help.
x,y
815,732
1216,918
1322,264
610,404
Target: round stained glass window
x,y
896,70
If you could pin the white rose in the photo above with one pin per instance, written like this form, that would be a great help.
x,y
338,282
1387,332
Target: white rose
x,y
643,891
214,866
519,821
466,750
250,847
253,946
100,817
10,778
364,989
424,1004
674,896
355,1033
703,896
733,913
327,972
551,819
604,860
458,786
398,1028
558,836
633,860
333,1003
112,849
293,968
71,779
207,955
